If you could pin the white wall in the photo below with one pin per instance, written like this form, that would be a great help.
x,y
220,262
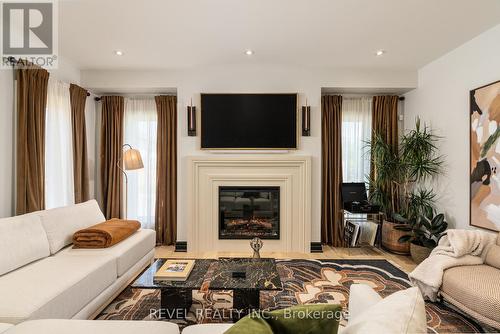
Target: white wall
x,y
442,100
6,141
66,72
245,78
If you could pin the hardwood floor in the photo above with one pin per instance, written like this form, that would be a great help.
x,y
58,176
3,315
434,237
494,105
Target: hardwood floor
x,y
404,263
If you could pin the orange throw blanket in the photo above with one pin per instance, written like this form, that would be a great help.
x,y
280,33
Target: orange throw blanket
x,y
105,234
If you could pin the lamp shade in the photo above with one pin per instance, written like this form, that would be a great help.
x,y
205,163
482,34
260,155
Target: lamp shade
x,y
132,159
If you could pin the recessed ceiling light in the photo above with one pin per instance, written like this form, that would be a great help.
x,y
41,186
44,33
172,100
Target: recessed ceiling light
x,y
249,52
380,52
119,53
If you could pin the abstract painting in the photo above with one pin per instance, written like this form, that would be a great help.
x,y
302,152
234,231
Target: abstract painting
x,y
485,157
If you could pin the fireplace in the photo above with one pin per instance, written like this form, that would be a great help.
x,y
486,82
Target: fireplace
x,y
248,212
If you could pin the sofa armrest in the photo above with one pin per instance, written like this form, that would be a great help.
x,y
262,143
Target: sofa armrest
x,y
361,297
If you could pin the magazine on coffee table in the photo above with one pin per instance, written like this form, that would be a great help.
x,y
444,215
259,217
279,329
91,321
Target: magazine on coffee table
x,y
175,270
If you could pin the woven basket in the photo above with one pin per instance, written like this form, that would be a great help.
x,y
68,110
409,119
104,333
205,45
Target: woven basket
x,y
419,253
390,237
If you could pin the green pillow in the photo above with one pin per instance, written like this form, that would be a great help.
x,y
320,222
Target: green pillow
x,y
302,319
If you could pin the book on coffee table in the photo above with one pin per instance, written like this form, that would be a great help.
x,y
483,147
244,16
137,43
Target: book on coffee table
x,y
175,270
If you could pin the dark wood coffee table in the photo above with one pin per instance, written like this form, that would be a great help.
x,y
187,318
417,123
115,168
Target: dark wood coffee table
x,y
209,274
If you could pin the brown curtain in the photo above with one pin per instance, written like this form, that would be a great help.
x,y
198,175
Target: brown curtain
x,y
112,114
385,121
385,118
332,230
78,97
166,170
32,84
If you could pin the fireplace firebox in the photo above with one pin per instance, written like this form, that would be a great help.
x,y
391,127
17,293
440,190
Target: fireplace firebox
x,y
249,212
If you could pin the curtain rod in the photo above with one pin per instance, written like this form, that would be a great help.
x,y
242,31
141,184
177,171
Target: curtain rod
x,y
132,96
12,60
354,95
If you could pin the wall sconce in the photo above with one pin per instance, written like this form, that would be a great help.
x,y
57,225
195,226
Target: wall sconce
x,y
306,120
191,110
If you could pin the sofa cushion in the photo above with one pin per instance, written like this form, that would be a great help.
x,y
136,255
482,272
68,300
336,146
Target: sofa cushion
x,y
4,327
61,223
493,257
310,318
52,326
207,328
474,287
23,240
127,253
409,307
55,287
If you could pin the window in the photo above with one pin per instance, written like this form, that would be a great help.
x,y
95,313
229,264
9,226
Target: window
x,y
356,132
59,183
140,133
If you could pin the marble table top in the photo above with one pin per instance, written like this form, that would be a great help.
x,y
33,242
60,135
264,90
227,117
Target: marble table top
x,y
261,274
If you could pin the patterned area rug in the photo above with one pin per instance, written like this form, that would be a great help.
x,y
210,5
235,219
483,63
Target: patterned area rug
x,y
304,282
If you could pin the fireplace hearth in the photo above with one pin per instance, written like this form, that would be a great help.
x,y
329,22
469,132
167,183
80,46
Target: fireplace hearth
x,y
248,212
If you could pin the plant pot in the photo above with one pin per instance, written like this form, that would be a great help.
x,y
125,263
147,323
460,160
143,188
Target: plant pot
x,y
390,237
419,253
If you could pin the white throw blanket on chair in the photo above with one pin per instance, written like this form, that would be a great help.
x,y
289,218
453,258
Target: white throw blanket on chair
x,y
456,248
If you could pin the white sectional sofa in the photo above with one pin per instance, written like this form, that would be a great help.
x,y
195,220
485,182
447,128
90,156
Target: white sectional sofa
x,y
42,276
50,326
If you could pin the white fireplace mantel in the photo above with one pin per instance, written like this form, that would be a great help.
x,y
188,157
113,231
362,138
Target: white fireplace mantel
x,y
292,173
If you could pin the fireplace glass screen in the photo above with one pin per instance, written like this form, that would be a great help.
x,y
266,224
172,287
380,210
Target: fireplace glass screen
x,y
248,212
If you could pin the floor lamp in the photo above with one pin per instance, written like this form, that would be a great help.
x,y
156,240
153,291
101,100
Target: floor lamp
x,y
131,160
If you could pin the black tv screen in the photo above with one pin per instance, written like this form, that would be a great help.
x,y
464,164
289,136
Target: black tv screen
x,y
248,121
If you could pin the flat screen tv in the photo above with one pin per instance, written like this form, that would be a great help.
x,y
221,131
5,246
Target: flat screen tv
x,y
248,121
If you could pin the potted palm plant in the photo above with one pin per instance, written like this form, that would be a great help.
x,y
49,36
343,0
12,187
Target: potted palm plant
x,y
398,183
423,232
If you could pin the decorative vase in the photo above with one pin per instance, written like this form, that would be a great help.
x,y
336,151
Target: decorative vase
x,y
256,245
390,237
419,253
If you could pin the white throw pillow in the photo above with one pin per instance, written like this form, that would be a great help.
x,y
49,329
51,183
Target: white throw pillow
x,y
61,223
22,240
361,297
401,312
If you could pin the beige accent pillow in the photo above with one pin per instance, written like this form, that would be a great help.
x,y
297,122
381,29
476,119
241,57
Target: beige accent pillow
x,y
493,256
61,223
22,241
401,312
361,297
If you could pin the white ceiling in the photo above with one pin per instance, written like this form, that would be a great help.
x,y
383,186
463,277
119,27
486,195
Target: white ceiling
x,y
167,34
